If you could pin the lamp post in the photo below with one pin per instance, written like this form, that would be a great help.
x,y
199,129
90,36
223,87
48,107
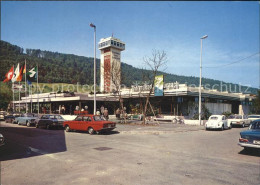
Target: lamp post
x,y
204,37
93,26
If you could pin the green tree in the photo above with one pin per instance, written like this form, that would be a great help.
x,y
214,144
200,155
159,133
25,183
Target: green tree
x,y
5,95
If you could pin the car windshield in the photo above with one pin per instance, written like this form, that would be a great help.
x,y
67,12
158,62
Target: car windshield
x,y
99,118
254,125
235,117
58,117
30,115
253,116
214,118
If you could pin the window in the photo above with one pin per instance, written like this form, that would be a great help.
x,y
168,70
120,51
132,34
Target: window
x,y
86,118
45,117
79,118
112,42
117,44
213,118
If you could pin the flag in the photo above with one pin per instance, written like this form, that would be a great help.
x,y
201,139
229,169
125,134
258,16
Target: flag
x,y
9,75
31,75
24,69
20,76
16,73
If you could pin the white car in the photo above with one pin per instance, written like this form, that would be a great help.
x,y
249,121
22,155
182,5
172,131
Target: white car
x,y
217,122
253,117
240,120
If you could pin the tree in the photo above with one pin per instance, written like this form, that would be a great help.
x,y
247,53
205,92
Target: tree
x,y
256,104
115,75
154,63
5,95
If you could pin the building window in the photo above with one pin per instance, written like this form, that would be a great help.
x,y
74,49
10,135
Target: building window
x,y
117,44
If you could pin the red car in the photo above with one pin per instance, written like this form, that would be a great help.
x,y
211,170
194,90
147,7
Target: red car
x,y
90,123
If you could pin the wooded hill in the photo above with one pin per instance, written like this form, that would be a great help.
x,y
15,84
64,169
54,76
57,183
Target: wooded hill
x,y
57,67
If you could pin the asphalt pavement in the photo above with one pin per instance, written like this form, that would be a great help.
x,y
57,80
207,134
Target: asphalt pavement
x,y
132,154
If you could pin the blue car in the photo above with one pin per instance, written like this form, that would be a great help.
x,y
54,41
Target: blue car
x,y
26,119
251,138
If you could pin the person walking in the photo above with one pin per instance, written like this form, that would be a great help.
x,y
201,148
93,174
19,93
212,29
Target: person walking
x,y
106,114
118,113
102,109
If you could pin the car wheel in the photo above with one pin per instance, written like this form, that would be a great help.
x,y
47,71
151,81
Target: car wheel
x,y
67,128
91,130
230,126
243,125
48,127
28,124
222,128
18,122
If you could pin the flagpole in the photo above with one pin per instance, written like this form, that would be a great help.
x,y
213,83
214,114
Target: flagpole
x,y
31,95
13,90
37,89
25,87
19,96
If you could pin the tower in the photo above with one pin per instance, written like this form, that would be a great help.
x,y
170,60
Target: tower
x,y
110,63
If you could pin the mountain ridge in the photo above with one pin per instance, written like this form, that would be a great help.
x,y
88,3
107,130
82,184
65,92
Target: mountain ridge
x,y
55,67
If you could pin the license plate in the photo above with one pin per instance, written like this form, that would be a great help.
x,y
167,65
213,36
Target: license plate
x,y
256,142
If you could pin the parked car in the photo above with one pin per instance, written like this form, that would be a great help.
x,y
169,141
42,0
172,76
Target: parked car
x,y
217,122
2,115
251,138
240,120
90,123
27,119
2,140
49,121
253,117
9,118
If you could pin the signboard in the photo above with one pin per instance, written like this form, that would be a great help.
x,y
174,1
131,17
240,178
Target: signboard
x,y
158,85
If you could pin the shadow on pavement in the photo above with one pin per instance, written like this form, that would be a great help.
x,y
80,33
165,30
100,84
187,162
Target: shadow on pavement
x,y
101,133
250,151
24,142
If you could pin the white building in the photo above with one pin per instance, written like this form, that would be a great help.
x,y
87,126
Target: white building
x,y
110,62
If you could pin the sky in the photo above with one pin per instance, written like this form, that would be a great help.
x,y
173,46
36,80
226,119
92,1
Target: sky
x,y
173,27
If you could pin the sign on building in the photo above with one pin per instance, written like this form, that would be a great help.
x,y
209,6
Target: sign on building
x,y
158,85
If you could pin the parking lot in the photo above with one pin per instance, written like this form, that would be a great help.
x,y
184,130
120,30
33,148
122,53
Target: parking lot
x,y
132,154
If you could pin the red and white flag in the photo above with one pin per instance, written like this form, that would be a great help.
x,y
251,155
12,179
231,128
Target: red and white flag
x,y
9,75
16,73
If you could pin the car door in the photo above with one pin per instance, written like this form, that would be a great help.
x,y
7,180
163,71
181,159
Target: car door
x,y
43,121
75,124
224,120
86,123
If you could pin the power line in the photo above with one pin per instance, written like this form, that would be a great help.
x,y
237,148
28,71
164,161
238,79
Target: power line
x,y
234,62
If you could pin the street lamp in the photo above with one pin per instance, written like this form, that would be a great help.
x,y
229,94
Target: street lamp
x,y
93,26
204,37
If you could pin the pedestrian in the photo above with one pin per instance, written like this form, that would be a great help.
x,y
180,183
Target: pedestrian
x,y
118,113
102,109
106,114
63,109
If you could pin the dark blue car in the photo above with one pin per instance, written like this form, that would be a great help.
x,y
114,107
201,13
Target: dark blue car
x,y
251,138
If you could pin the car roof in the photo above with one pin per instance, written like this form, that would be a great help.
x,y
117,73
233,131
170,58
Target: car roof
x,y
217,115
